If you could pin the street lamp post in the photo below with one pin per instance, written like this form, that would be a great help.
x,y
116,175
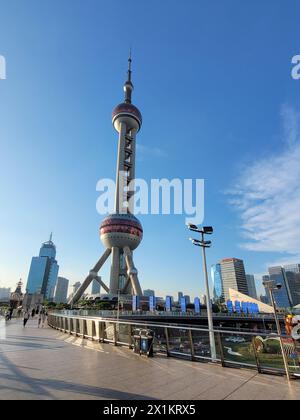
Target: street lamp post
x,y
206,244
270,285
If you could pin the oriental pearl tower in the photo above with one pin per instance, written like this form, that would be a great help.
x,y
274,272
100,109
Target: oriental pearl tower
x,y
121,232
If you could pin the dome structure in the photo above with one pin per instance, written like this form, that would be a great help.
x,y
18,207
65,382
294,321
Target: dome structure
x,y
128,114
120,231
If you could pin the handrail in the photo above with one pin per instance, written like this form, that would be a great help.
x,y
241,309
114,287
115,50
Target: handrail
x,y
173,326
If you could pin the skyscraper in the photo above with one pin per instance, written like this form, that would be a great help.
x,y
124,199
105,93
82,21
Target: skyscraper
x,y
96,288
180,296
61,290
43,271
217,281
293,282
233,276
283,297
251,286
149,293
292,268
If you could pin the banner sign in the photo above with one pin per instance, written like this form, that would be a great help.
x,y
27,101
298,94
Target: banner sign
x,y
183,305
152,303
197,306
238,307
135,303
230,306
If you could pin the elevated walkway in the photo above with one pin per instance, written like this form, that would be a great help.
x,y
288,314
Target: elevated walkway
x,y
47,364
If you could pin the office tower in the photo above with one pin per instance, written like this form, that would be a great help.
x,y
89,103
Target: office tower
x,y
76,286
251,286
149,293
233,276
61,290
283,297
293,282
121,233
293,268
43,271
96,288
187,299
217,282
5,294
180,296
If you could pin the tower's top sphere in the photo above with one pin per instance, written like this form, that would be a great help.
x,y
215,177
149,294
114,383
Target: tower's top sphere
x,y
120,230
128,114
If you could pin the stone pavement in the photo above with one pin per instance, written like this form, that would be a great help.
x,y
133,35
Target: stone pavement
x,y
46,364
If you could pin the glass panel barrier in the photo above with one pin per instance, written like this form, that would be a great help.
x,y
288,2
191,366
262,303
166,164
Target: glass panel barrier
x,y
238,349
201,344
268,352
109,332
179,341
123,333
160,340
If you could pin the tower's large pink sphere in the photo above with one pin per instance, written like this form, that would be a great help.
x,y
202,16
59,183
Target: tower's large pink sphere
x,y
121,230
128,114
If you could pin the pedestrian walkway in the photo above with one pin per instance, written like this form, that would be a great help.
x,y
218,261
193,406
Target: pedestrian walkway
x,y
45,364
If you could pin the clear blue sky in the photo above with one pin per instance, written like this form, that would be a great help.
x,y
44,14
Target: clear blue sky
x,y
213,81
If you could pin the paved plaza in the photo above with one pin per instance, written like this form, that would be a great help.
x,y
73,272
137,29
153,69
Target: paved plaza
x,y
46,364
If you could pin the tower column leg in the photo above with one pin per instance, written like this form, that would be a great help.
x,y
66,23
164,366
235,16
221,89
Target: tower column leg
x,y
119,200
93,273
132,272
115,271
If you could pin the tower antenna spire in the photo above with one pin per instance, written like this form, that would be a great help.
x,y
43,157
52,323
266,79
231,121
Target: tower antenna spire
x,y
128,87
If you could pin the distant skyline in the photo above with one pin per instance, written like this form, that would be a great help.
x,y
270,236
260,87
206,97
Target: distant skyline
x,y
218,102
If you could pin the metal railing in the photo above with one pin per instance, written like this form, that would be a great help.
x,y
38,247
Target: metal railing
x,y
258,351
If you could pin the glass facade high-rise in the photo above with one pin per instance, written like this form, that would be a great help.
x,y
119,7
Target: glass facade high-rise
x,y
96,288
61,290
292,268
283,297
217,281
251,286
43,272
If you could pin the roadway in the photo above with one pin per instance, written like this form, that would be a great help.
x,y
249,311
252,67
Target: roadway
x,y
43,364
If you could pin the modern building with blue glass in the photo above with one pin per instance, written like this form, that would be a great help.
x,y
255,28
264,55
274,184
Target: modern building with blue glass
x,y
216,276
283,296
43,271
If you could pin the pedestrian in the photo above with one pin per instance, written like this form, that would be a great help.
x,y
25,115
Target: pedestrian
x,y
33,313
11,311
44,317
26,317
40,320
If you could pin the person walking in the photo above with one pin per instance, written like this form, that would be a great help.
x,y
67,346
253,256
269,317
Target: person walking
x,y
40,320
44,318
26,317
33,313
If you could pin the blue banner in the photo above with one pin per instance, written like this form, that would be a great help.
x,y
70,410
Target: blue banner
x,y
183,305
168,303
135,303
245,307
238,307
197,306
152,303
230,306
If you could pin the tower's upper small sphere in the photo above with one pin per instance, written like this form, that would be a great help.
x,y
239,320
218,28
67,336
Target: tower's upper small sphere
x,y
120,231
128,114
